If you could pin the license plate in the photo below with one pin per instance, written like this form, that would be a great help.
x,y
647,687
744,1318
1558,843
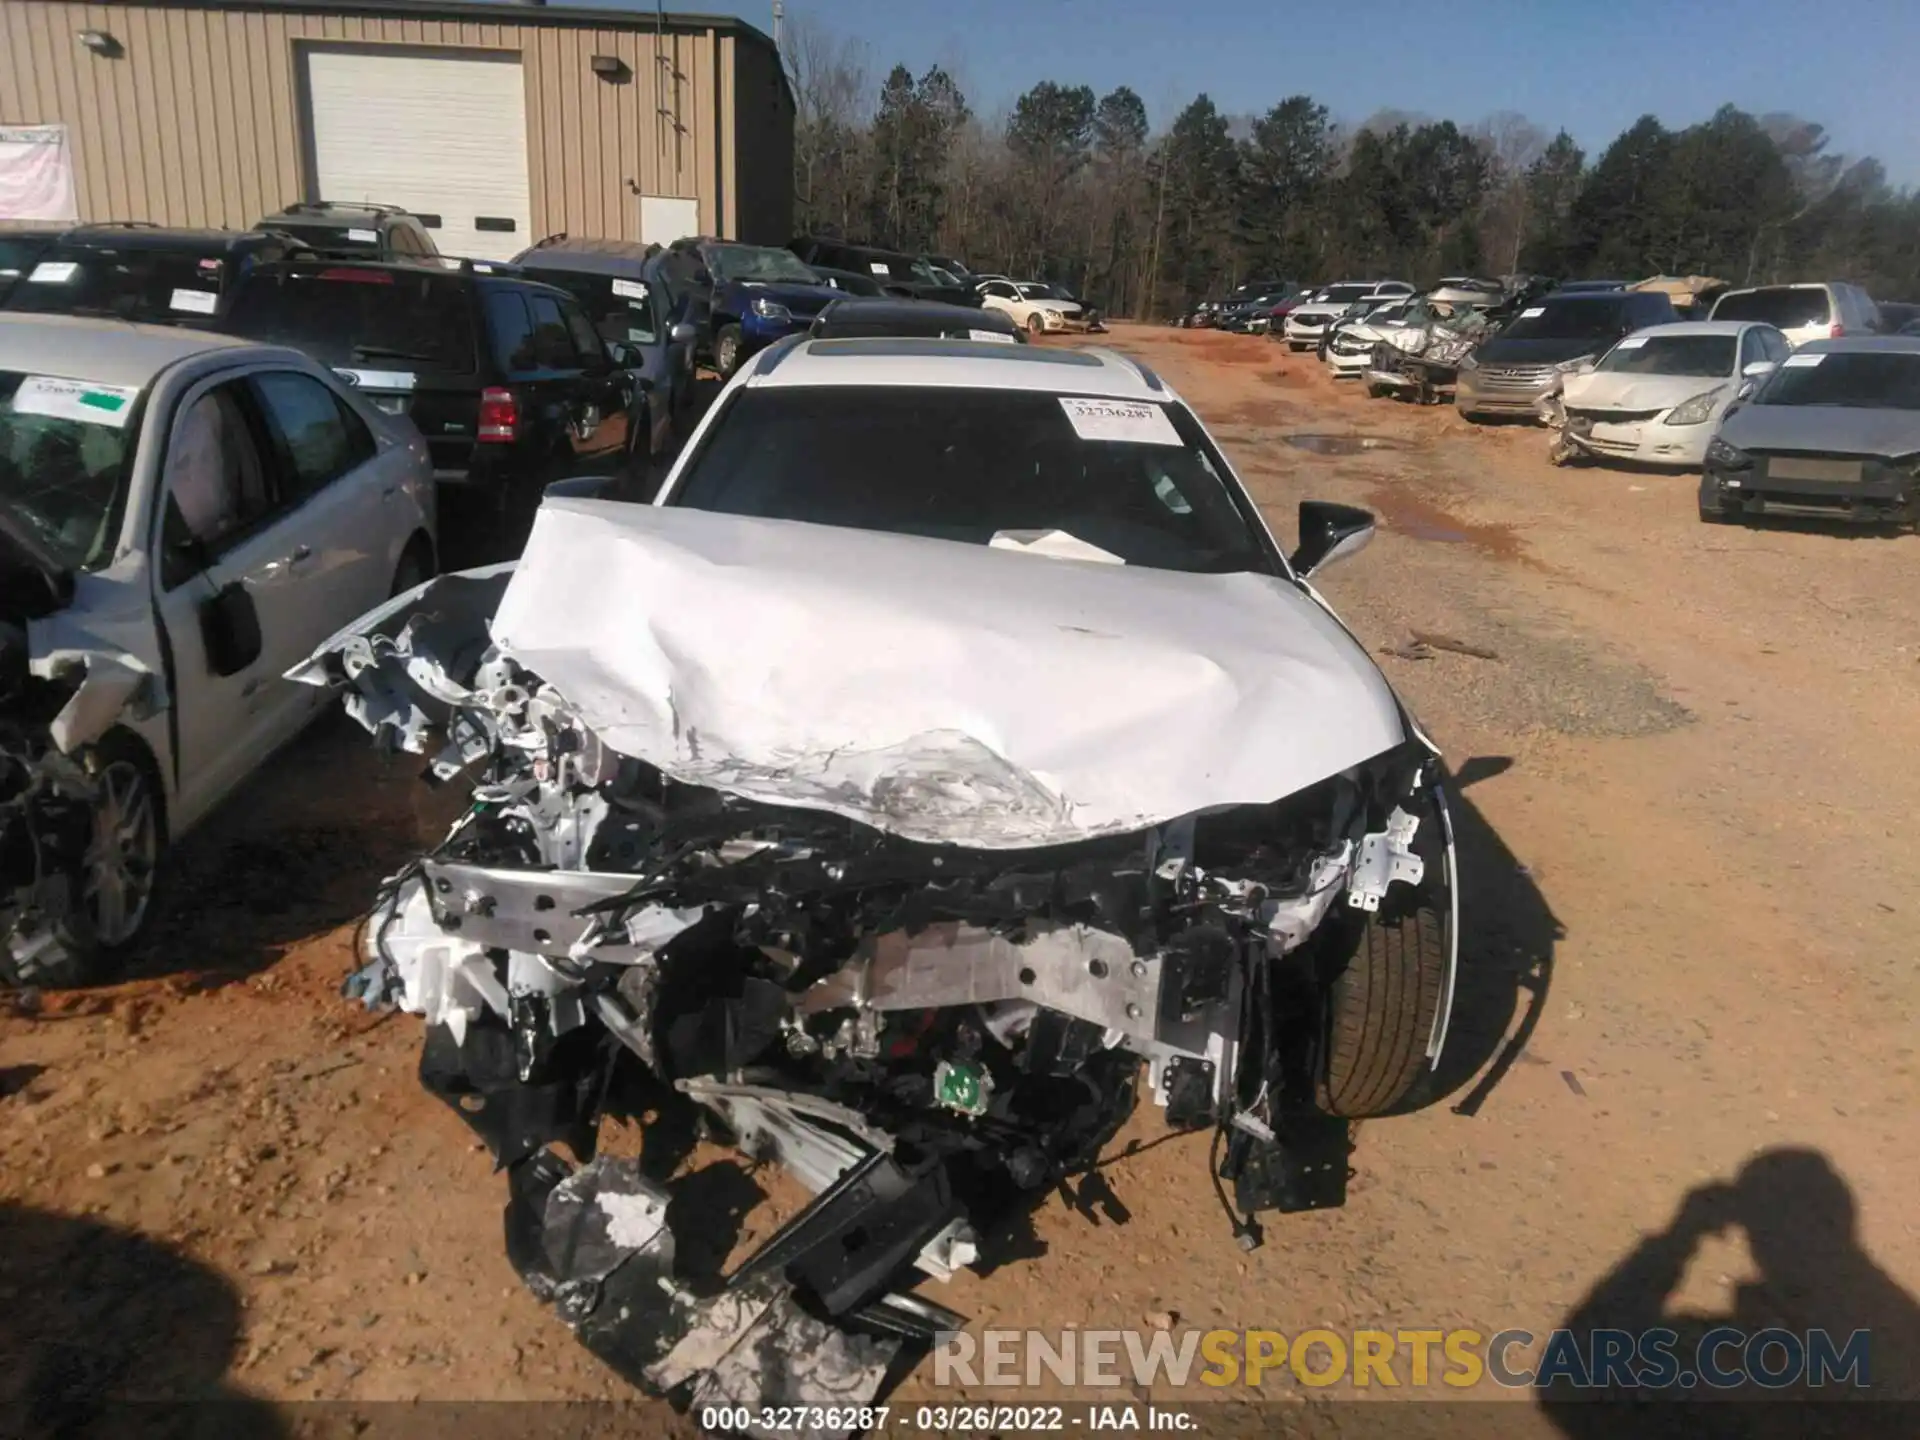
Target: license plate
x,y
1789,467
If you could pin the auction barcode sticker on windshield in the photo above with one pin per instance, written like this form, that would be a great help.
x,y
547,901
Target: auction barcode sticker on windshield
x,y
992,337
1129,421
877,267
364,237
200,302
53,272
1530,314
1803,359
630,289
58,399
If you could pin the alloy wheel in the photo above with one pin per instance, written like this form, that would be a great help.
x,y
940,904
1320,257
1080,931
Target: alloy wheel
x,y
118,888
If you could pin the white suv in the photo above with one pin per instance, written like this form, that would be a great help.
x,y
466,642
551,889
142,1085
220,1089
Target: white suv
x,y
1823,311
1308,323
182,518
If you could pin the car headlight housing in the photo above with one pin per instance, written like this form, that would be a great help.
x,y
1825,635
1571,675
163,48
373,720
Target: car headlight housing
x,y
1727,457
1696,409
771,309
1567,367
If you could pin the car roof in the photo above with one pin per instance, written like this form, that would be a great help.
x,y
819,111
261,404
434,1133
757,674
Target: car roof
x,y
1704,327
954,364
343,210
873,310
631,260
1786,285
110,235
1863,344
107,352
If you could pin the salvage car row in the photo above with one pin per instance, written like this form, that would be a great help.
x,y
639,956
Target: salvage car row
x,y
1800,399
764,821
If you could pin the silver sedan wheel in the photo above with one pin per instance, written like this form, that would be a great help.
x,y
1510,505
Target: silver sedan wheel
x,y
118,889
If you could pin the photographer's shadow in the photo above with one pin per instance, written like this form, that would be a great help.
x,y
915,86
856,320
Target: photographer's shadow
x,y
1801,1225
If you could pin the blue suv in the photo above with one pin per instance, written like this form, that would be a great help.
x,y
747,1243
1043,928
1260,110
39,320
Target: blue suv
x,y
744,297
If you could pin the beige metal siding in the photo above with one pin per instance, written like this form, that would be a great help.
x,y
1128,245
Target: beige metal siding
x,y
197,122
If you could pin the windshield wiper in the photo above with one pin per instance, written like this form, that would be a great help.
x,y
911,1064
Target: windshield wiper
x,y
387,352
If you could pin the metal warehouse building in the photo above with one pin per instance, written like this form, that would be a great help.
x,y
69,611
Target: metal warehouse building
x,y
502,122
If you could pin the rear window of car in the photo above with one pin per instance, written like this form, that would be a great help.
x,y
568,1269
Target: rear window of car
x,y
968,465
1786,306
337,237
150,284
347,316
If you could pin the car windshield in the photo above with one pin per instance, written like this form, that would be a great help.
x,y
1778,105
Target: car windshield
x,y
1855,379
65,450
142,283
347,316
1785,306
1567,320
1344,294
1037,292
758,262
967,465
1702,355
623,310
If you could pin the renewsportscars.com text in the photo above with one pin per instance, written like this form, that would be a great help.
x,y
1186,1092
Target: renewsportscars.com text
x,y
1657,1359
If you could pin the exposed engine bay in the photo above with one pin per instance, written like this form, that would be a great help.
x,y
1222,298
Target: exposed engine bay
x,y
926,1035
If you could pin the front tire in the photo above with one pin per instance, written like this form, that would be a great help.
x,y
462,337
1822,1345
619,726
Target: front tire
x,y
726,351
119,879
1035,325
1380,1012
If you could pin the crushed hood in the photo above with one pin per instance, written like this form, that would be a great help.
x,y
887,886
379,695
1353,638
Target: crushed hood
x,y
1824,429
1621,391
942,692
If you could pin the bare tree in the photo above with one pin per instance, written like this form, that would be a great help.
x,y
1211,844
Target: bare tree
x,y
831,107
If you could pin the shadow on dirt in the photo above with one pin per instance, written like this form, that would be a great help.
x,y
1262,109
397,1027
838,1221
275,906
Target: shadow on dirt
x,y
98,1317
1507,938
1819,1305
298,851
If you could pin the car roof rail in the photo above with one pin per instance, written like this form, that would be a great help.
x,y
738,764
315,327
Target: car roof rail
x,y
321,207
118,225
558,237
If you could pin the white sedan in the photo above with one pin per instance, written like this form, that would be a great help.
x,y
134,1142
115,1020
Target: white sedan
x,y
1659,395
1034,306
182,518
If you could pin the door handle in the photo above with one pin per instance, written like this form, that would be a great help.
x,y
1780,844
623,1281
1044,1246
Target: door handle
x,y
301,552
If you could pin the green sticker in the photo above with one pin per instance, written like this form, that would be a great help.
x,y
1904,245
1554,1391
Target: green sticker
x,y
101,400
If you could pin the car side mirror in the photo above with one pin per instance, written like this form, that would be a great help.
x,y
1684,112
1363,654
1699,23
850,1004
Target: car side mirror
x,y
683,334
1759,369
1329,533
230,630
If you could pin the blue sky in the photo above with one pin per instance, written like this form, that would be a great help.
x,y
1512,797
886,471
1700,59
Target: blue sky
x,y
1591,67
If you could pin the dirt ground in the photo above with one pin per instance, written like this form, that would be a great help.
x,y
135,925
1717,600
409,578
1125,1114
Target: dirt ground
x,y
1681,1076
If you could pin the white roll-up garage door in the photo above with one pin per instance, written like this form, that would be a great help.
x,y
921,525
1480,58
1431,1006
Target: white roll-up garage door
x,y
436,132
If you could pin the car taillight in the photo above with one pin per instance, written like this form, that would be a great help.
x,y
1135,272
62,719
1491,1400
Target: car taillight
x,y
1836,330
499,417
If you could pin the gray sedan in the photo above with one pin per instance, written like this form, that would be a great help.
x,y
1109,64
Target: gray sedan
x,y
1834,432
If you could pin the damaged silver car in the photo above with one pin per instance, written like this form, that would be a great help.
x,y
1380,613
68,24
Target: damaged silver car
x,y
948,747
182,517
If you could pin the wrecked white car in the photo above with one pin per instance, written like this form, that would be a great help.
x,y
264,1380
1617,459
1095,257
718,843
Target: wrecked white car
x,y
182,517
949,743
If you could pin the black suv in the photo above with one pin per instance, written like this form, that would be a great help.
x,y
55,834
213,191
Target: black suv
x,y
359,229
134,271
507,378
899,274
